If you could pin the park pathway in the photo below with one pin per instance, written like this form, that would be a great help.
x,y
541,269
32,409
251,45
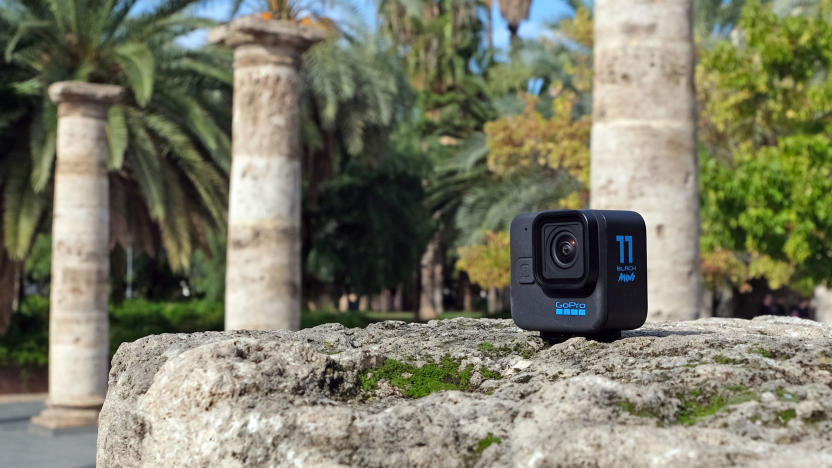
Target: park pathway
x,y
20,448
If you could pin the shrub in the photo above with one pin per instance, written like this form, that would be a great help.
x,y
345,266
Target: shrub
x,y
27,342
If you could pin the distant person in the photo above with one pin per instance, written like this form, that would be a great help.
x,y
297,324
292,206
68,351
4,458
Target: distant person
x,y
768,307
781,308
801,309
353,301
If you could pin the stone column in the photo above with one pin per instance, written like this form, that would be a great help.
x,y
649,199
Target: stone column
x,y
263,275
78,324
644,140
822,302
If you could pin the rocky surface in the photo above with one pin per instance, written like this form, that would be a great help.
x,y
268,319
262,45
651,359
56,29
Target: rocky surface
x,y
713,392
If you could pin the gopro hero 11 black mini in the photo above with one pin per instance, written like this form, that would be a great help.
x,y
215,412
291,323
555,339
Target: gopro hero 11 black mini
x,y
579,272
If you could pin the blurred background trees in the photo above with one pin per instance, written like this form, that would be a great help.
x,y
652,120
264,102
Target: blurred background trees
x,y
765,99
168,144
421,141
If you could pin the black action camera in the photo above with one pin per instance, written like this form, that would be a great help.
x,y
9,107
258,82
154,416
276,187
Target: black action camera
x,y
579,272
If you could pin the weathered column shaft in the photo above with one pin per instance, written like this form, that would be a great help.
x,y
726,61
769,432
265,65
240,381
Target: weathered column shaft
x,y
263,271
643,140
263,276
78,323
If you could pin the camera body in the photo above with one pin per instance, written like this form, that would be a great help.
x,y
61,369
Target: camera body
x,y
579,271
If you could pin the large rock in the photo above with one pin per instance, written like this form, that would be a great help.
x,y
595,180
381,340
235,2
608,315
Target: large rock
x,y
713,392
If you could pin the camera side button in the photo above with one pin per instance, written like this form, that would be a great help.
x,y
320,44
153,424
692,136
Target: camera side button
x,y
524,271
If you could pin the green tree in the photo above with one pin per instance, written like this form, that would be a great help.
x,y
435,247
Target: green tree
x,y
535,155
168,142
714,19
440,42
368,232
355,96
766,154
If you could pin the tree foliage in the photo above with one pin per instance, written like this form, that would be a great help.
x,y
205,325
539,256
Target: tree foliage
x,y
439,41
530,142
169,145
534,156
487,264
766,156
368,231
714,19
354,95
362,174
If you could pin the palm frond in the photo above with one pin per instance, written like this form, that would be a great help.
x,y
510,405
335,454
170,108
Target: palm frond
x,y
43,138
22,211
137,62
117,137
24,28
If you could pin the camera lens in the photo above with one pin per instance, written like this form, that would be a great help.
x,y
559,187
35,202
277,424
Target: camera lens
x,y
565,249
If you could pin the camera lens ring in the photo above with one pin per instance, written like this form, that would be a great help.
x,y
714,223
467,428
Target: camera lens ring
x,y
564,249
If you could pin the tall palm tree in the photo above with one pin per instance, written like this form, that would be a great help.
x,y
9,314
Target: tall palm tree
x,y
439,39
20,207
643,140
354,95
168,142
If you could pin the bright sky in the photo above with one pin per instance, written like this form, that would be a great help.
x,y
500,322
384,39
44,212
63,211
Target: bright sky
x,y
542,13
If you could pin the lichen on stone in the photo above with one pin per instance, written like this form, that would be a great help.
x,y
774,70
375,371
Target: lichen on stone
x,y
631,408
420,381
486,442
698,404
519,349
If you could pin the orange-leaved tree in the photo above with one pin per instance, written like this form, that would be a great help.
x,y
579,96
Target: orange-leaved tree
x,y
488,264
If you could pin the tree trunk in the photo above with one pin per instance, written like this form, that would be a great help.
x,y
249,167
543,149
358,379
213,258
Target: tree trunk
x,y
263,274
398,299
708,297
9,284
427,310
78,323
9,279
724,302
644,143
465,286
438,283
493,301
385,300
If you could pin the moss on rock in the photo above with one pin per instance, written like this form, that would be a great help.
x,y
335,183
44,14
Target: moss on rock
x,y
418,382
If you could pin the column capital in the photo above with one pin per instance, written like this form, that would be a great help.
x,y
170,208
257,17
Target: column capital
x,y
83,92
253,30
